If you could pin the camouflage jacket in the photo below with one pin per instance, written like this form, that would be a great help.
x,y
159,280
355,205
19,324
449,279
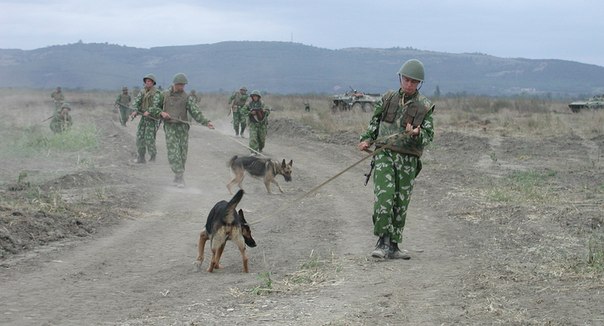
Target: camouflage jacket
x,y
179,105
148,100
123,100
237,100
390,117
256,112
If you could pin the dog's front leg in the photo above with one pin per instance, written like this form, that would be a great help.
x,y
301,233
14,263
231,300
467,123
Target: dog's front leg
x,y
201,245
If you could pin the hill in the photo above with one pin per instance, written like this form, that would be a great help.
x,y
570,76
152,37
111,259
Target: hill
x,y
284,67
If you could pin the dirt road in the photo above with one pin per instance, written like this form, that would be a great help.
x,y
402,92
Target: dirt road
x,y
311,266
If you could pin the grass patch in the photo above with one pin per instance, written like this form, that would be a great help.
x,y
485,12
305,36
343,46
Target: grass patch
x,y
35,139
524,186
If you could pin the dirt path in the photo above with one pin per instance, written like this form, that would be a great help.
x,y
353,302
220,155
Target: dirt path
x,y
311,266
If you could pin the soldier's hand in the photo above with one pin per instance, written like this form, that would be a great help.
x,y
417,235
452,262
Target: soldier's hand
x,y
412,131
146,114
133,115
165,115
364,145
210,125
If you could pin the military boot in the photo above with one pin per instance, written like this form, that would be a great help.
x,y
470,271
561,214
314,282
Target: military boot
x,y
179,180
396,253
382,248
152,159
140,159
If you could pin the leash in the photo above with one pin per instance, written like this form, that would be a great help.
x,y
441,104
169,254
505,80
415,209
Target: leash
x,y
244,145
314,189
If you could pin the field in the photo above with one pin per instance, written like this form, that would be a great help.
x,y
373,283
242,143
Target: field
x,y
505,224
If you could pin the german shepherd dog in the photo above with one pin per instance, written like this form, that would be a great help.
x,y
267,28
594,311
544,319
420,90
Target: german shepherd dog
x,y
259,167
225,223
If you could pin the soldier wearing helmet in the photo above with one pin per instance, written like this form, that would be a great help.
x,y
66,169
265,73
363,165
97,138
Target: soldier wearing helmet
x,y
236,103
61,121
177,105
257,116
122,104
400,127
147,104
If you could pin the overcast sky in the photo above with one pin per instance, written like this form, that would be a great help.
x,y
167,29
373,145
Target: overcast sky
x,y
536,29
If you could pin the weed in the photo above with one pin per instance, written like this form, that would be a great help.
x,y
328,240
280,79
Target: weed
x,y
266,286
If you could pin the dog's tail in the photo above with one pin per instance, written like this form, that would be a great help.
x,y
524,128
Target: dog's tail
x,y
235,200
231,161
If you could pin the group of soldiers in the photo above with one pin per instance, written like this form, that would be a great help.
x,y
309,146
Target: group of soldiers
x,y
175,108
252,113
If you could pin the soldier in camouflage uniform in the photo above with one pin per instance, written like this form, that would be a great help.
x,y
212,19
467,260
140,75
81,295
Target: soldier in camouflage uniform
x,y
237,102
176,106
58,98
258,122
61,121
401,126
147,104
122,102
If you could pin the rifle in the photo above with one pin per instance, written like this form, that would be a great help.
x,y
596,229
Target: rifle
x,y
368,174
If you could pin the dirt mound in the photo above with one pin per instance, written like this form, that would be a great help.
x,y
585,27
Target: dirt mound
x,y
294,129
79,180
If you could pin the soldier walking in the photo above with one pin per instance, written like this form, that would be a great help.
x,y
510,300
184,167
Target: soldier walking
x,y
237,102
58,98
176,106
147,104
401,126
122,102
258,121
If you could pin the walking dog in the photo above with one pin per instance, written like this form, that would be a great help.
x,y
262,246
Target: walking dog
x,y
259,167
225,223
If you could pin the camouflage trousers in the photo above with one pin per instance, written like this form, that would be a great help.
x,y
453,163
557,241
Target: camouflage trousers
x,y
177,142
145,137
239,119
257,136
393,179
124,113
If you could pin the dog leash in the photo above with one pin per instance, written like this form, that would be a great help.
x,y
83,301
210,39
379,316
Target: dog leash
x,y
251,149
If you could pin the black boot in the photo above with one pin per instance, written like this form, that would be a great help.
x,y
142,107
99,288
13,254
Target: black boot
x,y
152,159
382,248
141,159
396,253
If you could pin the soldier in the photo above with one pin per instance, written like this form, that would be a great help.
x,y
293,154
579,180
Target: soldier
x,y
58,98
122,102
61,121
147,104
176,106
237,102
401,126
258,121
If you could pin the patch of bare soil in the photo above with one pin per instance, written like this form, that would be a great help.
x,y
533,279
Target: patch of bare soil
x,y
499,230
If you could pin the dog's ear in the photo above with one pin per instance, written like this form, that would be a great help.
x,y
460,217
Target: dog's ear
x,y
283,163
291,162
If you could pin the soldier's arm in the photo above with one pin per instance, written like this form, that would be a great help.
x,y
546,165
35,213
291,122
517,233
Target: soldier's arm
x,y
372,131
426,132
157,106
136,106
196,113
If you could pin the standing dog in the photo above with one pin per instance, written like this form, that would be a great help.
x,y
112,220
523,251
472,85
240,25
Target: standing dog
x,y
259,167
225,223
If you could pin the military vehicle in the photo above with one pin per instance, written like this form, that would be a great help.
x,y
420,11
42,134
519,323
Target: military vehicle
x,y
596,102
354,100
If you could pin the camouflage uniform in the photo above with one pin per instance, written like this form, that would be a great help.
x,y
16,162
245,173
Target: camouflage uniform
x,y
179,105
147,100
258,122
58,98
61,121
237,102
397,166
123,102
195,97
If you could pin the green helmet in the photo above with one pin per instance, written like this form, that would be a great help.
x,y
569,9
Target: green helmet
x,y
66,106
180,78
413,69
243,88
256,92
124,88
150,76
